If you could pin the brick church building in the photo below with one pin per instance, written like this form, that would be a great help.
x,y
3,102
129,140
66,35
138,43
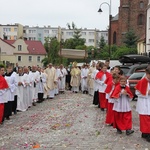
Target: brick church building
x,y
131,16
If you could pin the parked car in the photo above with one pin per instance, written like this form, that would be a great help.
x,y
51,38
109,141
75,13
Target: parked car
x,y
134,59
133,80
129,70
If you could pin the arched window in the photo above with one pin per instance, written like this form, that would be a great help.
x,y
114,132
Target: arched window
x,y
114,38
141,4
141,19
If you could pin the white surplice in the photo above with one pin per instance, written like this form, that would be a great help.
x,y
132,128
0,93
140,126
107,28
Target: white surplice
x,y
143,102
26,89
41,82
84,75
62,79
122,104
12,83
35,78
21,103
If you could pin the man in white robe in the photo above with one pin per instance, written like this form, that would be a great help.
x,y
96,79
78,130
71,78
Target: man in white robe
x,y
62,79
57,76
51,80
41,85
21,104
26,89
91,79
84,74
75,78
35,81
12,83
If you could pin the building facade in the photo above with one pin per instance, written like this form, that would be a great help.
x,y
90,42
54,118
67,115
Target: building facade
x,y
91,36
39,33
23,52
6,52
11,32
131,16
17,31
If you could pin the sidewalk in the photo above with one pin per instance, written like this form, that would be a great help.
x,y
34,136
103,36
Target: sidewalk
x,y
68,122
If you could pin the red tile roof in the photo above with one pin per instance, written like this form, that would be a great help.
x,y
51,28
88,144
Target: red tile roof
x,y
34,47
7,42
142,38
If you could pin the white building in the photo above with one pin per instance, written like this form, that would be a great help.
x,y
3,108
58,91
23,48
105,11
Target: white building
x,y
91,36
36,33
39,33
11,31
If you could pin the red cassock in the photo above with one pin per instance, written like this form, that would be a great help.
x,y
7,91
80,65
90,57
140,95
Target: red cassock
x,y
102,96
117,91
142,86
144,119
110,112
122,120
3,85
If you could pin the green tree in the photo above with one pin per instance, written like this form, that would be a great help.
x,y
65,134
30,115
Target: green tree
x,y
52,47
76,40
104,52
123,51
77,37
69,43
102,43
130,39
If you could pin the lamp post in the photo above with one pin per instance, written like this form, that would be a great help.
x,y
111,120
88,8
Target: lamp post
x,y
60,52
110,16
49,54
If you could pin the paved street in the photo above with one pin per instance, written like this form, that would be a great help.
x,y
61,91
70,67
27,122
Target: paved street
x,y
68,122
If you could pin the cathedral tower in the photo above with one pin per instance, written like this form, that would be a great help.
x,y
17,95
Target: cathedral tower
x,y
131,16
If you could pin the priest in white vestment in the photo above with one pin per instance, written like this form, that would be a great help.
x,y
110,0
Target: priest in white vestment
x,y
62,79
51,80
75,78
84,74
91,79
21,103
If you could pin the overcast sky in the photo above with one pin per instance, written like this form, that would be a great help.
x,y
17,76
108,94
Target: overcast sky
x,y
57,12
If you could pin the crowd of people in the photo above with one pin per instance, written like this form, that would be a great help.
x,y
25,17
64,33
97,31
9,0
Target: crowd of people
x,y
23,87
112,93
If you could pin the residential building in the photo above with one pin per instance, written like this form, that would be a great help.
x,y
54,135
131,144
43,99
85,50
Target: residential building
x,y
131,16
17,31
39,33
91,36
141,46
25,52
11,31
6,52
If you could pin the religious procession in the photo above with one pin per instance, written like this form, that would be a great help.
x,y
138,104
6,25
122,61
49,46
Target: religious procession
x,y
23,87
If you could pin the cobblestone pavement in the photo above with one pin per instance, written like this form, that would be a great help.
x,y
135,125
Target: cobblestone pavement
x,y
68,122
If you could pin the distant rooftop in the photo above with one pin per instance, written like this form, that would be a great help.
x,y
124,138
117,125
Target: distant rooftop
x,y
115,18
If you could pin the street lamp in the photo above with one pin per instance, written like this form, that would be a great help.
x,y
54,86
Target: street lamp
x,y
100,10
49,47
60,50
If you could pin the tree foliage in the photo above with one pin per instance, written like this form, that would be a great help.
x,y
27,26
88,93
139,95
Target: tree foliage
x,y
76,40
123,51
130,39
52,47
102,43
